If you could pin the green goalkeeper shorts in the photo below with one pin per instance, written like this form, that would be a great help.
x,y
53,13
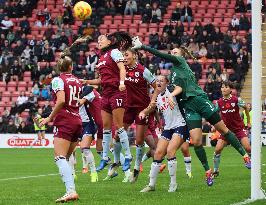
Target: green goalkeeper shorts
x,y
198,107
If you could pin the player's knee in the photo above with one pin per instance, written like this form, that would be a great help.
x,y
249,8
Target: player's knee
x,y
139,141
158,155
171,153
197,142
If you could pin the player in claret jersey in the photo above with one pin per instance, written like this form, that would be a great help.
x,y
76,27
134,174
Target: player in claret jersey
x,y
112,74
67,123
229,106
138,80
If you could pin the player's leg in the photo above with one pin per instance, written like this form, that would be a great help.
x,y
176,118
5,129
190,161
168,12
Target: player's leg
x,y
37,138
245,143
221,143
62,151
232,139
187,158
43,141
107,137
140,148
118,116
72,162
173,146
85,148
156,164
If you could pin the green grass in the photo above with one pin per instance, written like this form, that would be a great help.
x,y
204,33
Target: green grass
x,y
233,185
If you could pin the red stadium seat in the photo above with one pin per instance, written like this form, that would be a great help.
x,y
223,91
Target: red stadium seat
x,y
12,86
108,18
117,21
2,86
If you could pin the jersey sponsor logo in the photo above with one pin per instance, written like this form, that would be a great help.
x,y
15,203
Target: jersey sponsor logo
x,y
136,74
23,142
101,63
228,111
134,80
73,80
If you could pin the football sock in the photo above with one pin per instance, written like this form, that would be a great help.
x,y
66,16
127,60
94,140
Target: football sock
x,y
107,137
201,154
84,161
155,168
72,162
90,159
187,161
172,165
122,134
231,138
145,157
117,151
66,173
139,154
216,162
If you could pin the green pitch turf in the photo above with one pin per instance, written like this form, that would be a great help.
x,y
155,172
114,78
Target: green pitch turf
x,y
232,186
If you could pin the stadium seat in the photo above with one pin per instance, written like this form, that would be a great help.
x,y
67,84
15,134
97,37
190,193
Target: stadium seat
x,y
22,86
12,86
2,86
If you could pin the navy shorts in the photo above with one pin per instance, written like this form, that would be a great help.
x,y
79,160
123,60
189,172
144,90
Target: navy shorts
x,y
89,128
40,131
181,131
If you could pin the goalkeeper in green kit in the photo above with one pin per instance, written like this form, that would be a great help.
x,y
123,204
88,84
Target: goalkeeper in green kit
x,y
196,105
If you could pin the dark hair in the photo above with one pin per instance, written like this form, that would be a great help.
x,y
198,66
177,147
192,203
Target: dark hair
x,y
228,84
64,63
120,39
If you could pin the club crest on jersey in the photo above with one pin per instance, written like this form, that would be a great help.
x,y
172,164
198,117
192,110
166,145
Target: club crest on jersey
x,y
136,74
233,104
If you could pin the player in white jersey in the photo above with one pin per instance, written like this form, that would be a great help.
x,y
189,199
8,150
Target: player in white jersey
x,y
89,130
175,133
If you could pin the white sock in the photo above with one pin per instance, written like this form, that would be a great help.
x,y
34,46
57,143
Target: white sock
x,y
145,157
107,137
139,154
155,168
122,134
117,151
172,165
90,159
66,173
84,161
187,161
122,158
72,162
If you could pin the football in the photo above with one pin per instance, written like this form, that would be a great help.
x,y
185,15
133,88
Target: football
x,y
82,10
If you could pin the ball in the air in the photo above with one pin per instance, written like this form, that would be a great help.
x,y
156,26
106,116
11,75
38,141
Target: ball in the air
x,y
82,10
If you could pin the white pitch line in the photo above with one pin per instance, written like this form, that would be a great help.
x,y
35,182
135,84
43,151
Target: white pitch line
x,y
28,177
244,202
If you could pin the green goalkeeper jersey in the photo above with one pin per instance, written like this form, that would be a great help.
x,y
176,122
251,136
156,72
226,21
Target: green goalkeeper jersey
x,y
181,74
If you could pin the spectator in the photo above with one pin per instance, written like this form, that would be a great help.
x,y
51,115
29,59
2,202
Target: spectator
x,y
49,32
10,37
3,127
147,14
68,31
63,39
26,53
23,128
68,16
45,94
164,41
228,37
22,98
198,27
92,60
7,24
131,7
240,6
235,46
185,39
186,14
196,36
217,36
240,69
2,14
32,42
193,47
25,25
16,71
176,15
119,5
154,39
216,65
234,79
224,76
37,50
168,27
17,119
179,27
67,3
47,109
36,90
217,89
109,4
38,23
5,116
209,88
58,20
213,75
204,38
203,52
11,128
84,75
80,62
244,23
234,23
249,4
13,110
156,14
209,27
47,54
196,68
212,49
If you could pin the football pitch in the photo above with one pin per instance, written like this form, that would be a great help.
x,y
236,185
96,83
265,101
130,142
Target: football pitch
x,y
29,176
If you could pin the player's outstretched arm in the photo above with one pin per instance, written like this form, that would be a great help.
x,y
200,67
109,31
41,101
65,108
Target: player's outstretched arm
x,y
176,91
91,82
137,44
123,72
147,110
60,102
